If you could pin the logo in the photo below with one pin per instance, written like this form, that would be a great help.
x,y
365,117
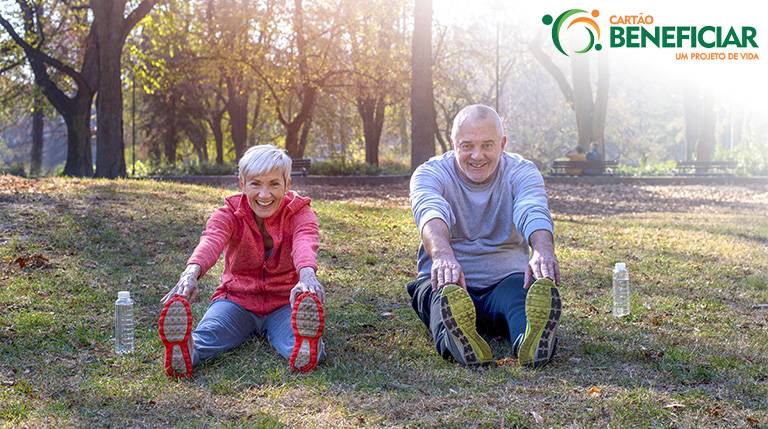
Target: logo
x,y
588,23
632,31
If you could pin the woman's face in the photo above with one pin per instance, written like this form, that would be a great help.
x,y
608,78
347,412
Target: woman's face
x,y
265,192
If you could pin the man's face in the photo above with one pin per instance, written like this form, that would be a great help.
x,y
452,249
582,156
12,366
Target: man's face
x,y
478,145
265,192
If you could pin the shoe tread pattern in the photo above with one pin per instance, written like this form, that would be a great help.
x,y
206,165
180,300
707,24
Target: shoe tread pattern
x,y
459,317
543,309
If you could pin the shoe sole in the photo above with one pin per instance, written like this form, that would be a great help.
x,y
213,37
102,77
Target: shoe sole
x,y
458,312
542,309
308,321
175,328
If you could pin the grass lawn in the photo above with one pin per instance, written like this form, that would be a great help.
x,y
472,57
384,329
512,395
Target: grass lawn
x,y
694,352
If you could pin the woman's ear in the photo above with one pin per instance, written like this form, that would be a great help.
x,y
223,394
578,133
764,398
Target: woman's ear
x,y
288,184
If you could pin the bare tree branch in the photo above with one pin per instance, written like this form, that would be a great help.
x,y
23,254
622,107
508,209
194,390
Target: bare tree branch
x,y
37,54
553,69
137,15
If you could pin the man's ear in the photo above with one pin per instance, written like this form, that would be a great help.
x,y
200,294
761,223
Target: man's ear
x,y
504,142
242,185
288,184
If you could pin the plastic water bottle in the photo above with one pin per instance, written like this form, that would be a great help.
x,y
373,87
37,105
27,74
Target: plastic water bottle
x,y
621,293
123,323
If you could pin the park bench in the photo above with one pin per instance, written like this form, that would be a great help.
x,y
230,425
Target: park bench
x,y
596,168
300,167
706,168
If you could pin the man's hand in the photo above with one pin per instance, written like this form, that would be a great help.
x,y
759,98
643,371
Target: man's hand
x,y
307,283
446,270
186,286
445,267
543,262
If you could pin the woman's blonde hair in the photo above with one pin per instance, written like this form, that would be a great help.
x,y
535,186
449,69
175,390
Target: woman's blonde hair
x,y
262,159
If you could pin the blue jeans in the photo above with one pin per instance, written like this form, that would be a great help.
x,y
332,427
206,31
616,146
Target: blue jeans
x,y
226,325
500,311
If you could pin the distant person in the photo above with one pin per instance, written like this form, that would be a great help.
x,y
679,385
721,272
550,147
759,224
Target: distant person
x,y
594,155
486,235
269,236
594,152
577,155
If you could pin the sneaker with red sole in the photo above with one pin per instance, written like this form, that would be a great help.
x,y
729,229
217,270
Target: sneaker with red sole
x,y
175,328
308,321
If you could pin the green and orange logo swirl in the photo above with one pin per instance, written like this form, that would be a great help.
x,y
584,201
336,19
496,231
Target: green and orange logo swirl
x,y
589,24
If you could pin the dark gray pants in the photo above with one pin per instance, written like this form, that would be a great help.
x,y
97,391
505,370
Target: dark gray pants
x,y
500,311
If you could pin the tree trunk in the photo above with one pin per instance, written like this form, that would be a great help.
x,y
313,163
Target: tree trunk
x,y
110,147
253,137
582,99
198,136
372,113
344,131
75,110
292,129
601,101
79,162
292,140
36,160
590,114
691,111
171,133
111,29
422,109
237,106
439,135
706,147
218,135
304,135
403,131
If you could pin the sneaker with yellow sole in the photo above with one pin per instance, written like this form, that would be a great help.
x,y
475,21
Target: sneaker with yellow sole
x,y
458,313
542,309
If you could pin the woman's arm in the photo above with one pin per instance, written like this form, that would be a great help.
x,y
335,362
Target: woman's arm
x,y
306,237
304,253
218,231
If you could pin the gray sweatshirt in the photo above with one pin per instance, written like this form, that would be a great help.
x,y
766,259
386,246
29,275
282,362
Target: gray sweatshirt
x,y
490,224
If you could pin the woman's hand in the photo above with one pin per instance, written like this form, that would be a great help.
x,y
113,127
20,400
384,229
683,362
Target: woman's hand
x,y
186,286
307,283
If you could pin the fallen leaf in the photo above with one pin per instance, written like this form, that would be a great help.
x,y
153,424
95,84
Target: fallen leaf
x,y
537,417
37,260
387,314
715,411
674,406
594,391
753,421
507,361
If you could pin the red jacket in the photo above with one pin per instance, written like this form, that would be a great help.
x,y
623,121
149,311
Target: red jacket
x,y
255,284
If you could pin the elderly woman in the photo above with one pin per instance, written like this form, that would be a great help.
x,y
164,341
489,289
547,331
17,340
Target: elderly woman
x,y
269,236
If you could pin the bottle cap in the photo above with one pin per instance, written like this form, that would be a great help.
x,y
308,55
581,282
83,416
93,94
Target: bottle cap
x,y
620,266
124,294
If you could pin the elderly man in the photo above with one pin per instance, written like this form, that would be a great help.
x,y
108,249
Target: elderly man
x,y
486,235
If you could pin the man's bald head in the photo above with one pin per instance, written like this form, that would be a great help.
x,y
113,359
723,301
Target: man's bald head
x,y
475,112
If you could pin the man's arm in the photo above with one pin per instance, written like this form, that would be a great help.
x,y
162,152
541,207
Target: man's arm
x,y
437,242
543,262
